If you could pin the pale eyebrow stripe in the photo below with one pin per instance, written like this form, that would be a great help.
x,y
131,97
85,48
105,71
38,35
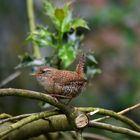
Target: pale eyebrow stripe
x,y
47,69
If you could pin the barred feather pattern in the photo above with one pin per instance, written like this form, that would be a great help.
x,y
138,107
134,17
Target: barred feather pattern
x,y
80,66
73,89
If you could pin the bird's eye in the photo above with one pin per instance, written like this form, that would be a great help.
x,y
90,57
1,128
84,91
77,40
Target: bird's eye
x,y
45,71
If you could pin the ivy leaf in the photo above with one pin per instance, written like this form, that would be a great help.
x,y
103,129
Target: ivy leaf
x,y
79,23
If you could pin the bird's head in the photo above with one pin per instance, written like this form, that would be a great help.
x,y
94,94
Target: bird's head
x,y
44,72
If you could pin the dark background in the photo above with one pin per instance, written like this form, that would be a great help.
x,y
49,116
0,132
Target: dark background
x,y
114,37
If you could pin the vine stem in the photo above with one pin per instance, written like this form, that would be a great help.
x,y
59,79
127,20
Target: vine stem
x,y
30,13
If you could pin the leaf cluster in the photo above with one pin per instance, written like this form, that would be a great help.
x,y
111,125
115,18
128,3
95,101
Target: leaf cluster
x,y
63,39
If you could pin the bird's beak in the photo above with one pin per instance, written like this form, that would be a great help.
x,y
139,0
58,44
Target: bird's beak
x,y
33,74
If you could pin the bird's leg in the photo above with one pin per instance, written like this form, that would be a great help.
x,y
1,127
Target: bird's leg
x,y
60,96
69,101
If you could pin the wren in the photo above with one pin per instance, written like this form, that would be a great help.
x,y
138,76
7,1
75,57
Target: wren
x,y
62,84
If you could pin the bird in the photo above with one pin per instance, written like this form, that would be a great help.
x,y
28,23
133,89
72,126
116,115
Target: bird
x,y
62,84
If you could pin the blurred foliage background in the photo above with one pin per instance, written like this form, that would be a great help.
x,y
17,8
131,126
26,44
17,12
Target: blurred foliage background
x,y
114,36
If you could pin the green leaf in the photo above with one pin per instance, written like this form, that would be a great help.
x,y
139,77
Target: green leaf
x,y
41,37
79,23
66,24
59,13
49,8
91,71
67,55
27,60
90,57
51,12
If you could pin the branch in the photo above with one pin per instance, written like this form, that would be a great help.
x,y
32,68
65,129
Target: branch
x,y
114,128
59,123
4,115
114,115
70,112
35,95
30,12
80,121
121,112
41,126
10,78
11,118
76,118
92,136
65,109
29,119
129,109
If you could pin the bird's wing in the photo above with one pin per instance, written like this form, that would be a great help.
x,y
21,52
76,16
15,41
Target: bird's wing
x,y
67,78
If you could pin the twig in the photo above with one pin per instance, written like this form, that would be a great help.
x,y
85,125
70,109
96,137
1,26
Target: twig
x,y
4,115
114,115
92,136
15,117
129,109
114,128
121,112
10,78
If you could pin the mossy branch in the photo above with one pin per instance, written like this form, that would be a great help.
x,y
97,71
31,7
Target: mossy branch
x,y
59,123
35,95
4,115
27,120
114,115
8,118
74,115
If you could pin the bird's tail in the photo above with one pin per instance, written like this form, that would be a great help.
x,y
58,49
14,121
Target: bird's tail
x,y
81,64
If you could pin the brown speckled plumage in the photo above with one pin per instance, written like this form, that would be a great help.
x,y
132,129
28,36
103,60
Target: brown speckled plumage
x,y
62,83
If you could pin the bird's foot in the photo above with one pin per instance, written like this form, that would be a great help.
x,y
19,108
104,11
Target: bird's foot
x,y
58,97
